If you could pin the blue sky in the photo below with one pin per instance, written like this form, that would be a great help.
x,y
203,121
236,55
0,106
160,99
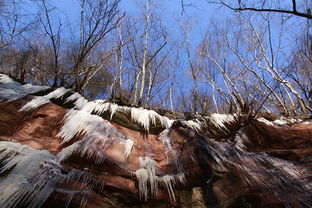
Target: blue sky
x,y
170,10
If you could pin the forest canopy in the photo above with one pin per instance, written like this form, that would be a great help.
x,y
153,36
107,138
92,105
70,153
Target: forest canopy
x,y
258,55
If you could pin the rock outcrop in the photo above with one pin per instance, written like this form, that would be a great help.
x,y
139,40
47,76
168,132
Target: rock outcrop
x,y
58,149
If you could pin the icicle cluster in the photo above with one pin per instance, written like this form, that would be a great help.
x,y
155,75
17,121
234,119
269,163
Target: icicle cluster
x,y
96,132
219,120
281,121
39,101
30,175
148,181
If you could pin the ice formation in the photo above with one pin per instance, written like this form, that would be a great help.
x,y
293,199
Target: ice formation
x,y
39,101
195,125
11,90
81,123
148,181
128,147
149,165
96,132
31,175
142,177
165,139
146,117
219,120
169,181
281,121
8,94
240,140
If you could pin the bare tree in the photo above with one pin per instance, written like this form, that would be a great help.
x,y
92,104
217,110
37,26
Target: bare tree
x,y
99,18
53,31
290,7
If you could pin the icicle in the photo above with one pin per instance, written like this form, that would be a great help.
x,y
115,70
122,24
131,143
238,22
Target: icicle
x,y
40,101
166,122
147,117
96,131
219,120
59,92
128,147
169,182
73,97
195,125
141,116
142,177
31,175
149,165
81,123
35,103
181,178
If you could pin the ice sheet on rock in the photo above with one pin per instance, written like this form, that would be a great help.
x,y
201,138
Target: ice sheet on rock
x,y
9,95
165,139
31,175
220,120
97,133
88,148
11,90
281,178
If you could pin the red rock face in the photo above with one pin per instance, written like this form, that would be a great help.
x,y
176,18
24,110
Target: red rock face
x,y
250,164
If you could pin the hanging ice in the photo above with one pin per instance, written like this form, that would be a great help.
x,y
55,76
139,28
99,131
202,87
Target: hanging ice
x,y
147,117
128,147
195,125
280,121
39,101
35,103
31,175
165,139
169,182
219,120
78,123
